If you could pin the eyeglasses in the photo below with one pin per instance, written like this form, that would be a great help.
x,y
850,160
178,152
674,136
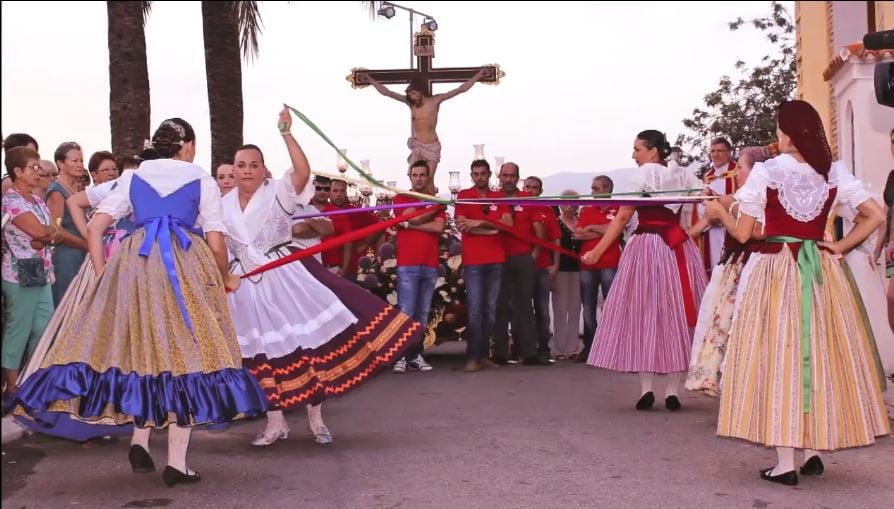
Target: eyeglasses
x,y
324,188
33,166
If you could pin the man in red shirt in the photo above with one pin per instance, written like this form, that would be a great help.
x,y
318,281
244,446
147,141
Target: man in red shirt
x,y
417,261
483,258
590,228
519,277
547,265
337,259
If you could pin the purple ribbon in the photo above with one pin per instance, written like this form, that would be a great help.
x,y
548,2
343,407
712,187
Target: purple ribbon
x,y
365,209
583,202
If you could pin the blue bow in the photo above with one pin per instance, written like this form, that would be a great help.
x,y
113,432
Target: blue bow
x,y
157,228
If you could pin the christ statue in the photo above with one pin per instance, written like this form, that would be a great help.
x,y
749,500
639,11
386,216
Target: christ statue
x,y
423,142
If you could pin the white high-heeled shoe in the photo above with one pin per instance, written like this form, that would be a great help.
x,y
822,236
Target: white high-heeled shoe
x,y
321,434
317,427
269,436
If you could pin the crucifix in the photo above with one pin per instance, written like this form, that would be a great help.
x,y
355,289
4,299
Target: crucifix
x,y
424,74
424,143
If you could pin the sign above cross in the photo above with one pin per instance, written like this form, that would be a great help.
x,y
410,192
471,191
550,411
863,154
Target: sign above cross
x,y
425,74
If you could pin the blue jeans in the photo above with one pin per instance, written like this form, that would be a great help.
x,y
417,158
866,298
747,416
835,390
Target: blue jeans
x,y
415,287
482,292
590,283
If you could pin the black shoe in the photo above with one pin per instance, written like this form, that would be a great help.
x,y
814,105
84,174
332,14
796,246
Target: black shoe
x,y
140,460
502,361
646,401
536,361
813,466
789,478
672,403
172,476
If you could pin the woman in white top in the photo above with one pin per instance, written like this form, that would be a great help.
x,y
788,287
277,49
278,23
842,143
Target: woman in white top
x,y
297,336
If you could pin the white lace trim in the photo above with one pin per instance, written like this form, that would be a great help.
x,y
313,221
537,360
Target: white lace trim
x,y
803,195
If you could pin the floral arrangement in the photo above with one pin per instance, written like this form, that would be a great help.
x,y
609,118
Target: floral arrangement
x,y
377,273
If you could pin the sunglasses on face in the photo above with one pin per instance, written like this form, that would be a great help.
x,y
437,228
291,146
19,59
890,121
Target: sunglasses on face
x,y
323,188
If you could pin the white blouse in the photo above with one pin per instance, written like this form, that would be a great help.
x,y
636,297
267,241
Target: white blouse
x,y
802,191
653,177
266,221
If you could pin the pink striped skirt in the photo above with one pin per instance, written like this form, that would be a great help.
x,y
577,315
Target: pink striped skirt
x,y
643,326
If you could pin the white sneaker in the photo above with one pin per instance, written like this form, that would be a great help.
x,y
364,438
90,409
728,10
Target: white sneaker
x,y
400,366
419,364
269,436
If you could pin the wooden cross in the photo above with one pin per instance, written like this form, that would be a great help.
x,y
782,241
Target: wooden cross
x,y
425,74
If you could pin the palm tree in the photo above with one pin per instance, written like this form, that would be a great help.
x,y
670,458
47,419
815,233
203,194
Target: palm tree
x,y
228,28
128,76
231,29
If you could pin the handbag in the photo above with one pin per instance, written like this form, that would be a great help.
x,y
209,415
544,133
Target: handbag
x,y
30,271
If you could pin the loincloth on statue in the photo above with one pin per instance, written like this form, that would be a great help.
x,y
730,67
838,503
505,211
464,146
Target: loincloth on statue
x,y
425,151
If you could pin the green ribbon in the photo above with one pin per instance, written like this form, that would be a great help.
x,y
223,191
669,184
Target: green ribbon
x,y
376,183
810,270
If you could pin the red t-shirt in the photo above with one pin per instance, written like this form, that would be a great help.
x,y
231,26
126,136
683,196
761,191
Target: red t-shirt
x,y
341,225
360,220
553,232
523,219
416,247
481,249
599,216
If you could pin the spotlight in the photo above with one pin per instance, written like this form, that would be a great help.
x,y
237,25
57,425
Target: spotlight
x,y
386,10
430,24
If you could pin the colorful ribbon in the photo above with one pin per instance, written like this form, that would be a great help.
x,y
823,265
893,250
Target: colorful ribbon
x,y
810,271
528,202
159,228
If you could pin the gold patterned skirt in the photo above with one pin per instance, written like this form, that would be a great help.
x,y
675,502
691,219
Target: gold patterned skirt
x,y
128,356
712,330
763,399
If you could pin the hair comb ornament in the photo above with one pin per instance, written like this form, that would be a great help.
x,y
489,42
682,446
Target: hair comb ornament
x,y
181,132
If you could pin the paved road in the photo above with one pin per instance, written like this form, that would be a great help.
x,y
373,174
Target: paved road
x,y
564,436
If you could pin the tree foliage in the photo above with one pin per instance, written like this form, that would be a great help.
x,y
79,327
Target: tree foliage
x,y
744,109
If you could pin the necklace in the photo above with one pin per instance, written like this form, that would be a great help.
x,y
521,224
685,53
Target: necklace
x,y
66,186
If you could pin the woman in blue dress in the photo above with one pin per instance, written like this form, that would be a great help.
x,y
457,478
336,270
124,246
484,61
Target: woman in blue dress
x,y
154,345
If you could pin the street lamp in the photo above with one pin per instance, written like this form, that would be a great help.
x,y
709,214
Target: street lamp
x,y
386,10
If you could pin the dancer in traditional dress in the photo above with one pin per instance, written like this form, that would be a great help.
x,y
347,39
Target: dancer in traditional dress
x,y
651,308
716,312
303,341
149,350
799,368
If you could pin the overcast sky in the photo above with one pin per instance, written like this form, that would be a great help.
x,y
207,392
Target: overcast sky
x,y
582,78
